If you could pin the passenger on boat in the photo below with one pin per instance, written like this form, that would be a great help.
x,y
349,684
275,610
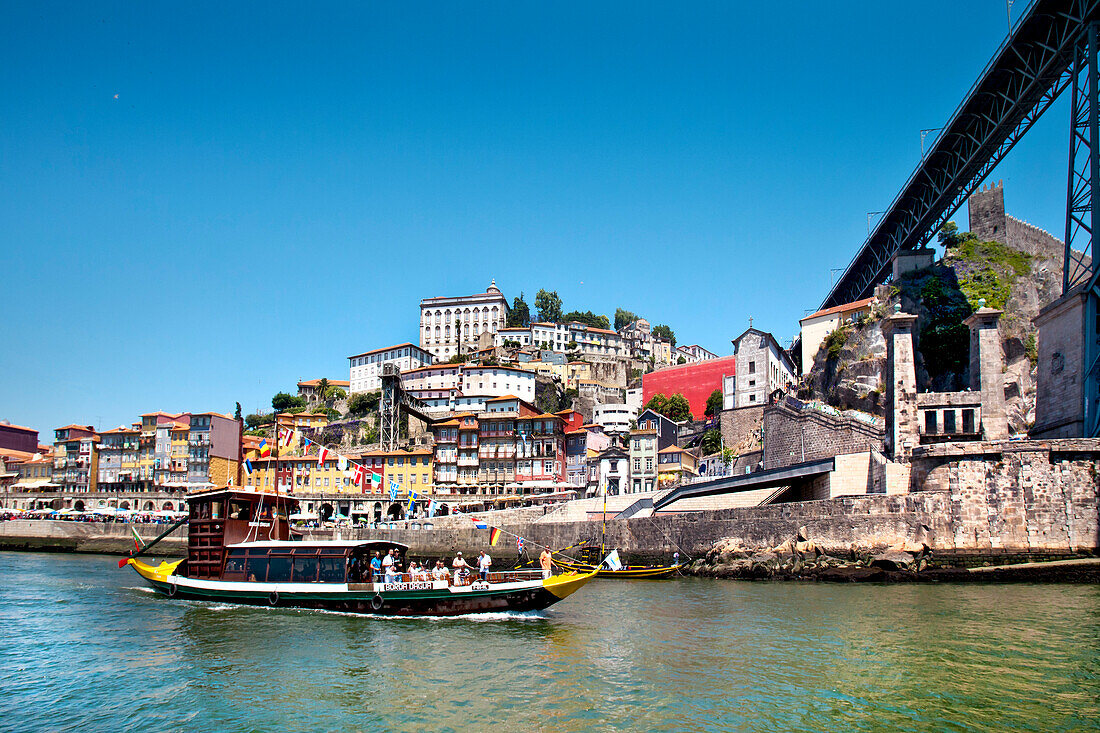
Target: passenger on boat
x,y
376,567
483,564
391,574
440,572
460,568
545,563
418,571
387,563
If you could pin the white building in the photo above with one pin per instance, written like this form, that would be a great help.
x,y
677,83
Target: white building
x,y
634,398
595,341
762,366
448,323
366,368
552,336
465,387
614,417
817,326
693,354
518,334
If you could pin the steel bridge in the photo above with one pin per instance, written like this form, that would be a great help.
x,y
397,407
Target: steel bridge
x,y
1052,47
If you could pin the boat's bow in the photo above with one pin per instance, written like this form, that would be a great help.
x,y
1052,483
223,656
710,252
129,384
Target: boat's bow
x,y
566,584
157,574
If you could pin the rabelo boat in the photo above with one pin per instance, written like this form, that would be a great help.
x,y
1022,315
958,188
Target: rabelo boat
x,y
241,549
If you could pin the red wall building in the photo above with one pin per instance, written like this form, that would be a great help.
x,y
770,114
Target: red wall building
x,y
694,381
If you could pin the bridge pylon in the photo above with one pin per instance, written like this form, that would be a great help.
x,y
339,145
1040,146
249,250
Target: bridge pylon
x,y
1080,273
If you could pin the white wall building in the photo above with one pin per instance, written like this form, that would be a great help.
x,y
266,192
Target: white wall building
x,y
817,326
552,336
693,354
614,417
446,323
595,341
521,335
762,366
465,387
366,368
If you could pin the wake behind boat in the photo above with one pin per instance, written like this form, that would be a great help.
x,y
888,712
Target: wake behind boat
x,y
241,550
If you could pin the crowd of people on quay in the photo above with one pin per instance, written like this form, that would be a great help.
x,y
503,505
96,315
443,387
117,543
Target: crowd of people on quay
x,y
101,516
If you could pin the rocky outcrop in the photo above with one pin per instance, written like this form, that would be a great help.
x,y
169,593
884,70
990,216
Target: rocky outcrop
x,y
849,368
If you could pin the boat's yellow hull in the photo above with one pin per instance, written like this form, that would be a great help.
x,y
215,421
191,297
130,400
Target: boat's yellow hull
x,y
627,573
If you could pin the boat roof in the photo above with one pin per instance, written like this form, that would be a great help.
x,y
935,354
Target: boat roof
x,y
318,543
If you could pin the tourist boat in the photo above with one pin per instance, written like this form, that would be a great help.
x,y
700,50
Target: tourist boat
x,y
626,572
241,549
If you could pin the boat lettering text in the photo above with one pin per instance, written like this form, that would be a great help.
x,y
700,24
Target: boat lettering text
x,y
259,524
407,586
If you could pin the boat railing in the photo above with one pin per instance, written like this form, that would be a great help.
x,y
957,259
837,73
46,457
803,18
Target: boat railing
x,y
506,576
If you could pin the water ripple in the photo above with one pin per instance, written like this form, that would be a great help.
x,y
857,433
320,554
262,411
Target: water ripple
x,y
87,649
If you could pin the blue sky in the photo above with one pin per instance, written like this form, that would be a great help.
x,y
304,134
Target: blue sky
x,y
275,187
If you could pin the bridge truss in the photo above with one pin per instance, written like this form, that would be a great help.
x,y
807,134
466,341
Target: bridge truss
x,y
1052,47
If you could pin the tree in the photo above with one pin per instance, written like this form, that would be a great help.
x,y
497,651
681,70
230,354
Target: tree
x,y
363,403
252,422
657,403
623,318
237,412
282,402
711,442
949,236
588,318
520,315
677,408
681,360
714,403
548,305
322,387
663,330
457,359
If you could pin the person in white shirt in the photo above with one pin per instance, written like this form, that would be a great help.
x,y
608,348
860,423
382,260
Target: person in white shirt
x,y
460,567
483,564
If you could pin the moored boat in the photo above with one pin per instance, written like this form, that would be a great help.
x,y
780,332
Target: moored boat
x,y
625,572
241,550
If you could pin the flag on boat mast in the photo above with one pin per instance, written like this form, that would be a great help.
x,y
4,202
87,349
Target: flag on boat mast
x,y
494,536
265,449
248,466
478,523
612,560
375,480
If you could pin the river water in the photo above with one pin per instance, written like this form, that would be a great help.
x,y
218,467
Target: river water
x,y
84,646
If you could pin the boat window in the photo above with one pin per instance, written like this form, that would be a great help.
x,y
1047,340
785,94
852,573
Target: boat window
x,y
278,569
256,569
305,569
239,510
216,512
234,565
331,570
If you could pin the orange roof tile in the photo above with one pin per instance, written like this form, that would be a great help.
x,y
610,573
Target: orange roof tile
x,y
502,399
842,308
17,427
331,383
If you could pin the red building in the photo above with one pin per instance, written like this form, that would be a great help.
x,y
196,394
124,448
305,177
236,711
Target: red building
x,y
694,381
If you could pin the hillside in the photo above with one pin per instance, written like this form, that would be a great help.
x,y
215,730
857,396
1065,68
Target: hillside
x,y
848,369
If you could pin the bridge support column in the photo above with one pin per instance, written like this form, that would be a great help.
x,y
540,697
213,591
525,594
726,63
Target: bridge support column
x,y
1068,400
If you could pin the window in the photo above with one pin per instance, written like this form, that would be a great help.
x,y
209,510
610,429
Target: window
x,y
949,421
648,464
425,478
637,464
752,367
930,422
968,421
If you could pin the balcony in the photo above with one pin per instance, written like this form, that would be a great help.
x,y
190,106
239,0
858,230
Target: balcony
x,y
471,461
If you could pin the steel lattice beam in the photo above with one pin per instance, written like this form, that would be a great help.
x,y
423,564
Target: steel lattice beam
x,y
1080,272
1028,72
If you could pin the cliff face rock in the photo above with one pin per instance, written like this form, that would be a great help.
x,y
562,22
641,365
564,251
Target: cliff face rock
x,y
849,368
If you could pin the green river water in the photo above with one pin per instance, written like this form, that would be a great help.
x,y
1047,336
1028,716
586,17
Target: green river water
x,y
86,647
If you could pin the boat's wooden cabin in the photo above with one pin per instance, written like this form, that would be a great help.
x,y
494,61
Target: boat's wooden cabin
x,y
304,562
224,517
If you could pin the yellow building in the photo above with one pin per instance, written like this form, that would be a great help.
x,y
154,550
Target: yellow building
x,y
570,375
299,420
410,470
675,464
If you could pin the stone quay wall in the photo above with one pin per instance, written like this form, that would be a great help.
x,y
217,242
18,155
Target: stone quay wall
x,y
968,502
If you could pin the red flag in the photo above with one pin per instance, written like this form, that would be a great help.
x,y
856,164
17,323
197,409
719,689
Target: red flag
x,y
322,454
357,477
